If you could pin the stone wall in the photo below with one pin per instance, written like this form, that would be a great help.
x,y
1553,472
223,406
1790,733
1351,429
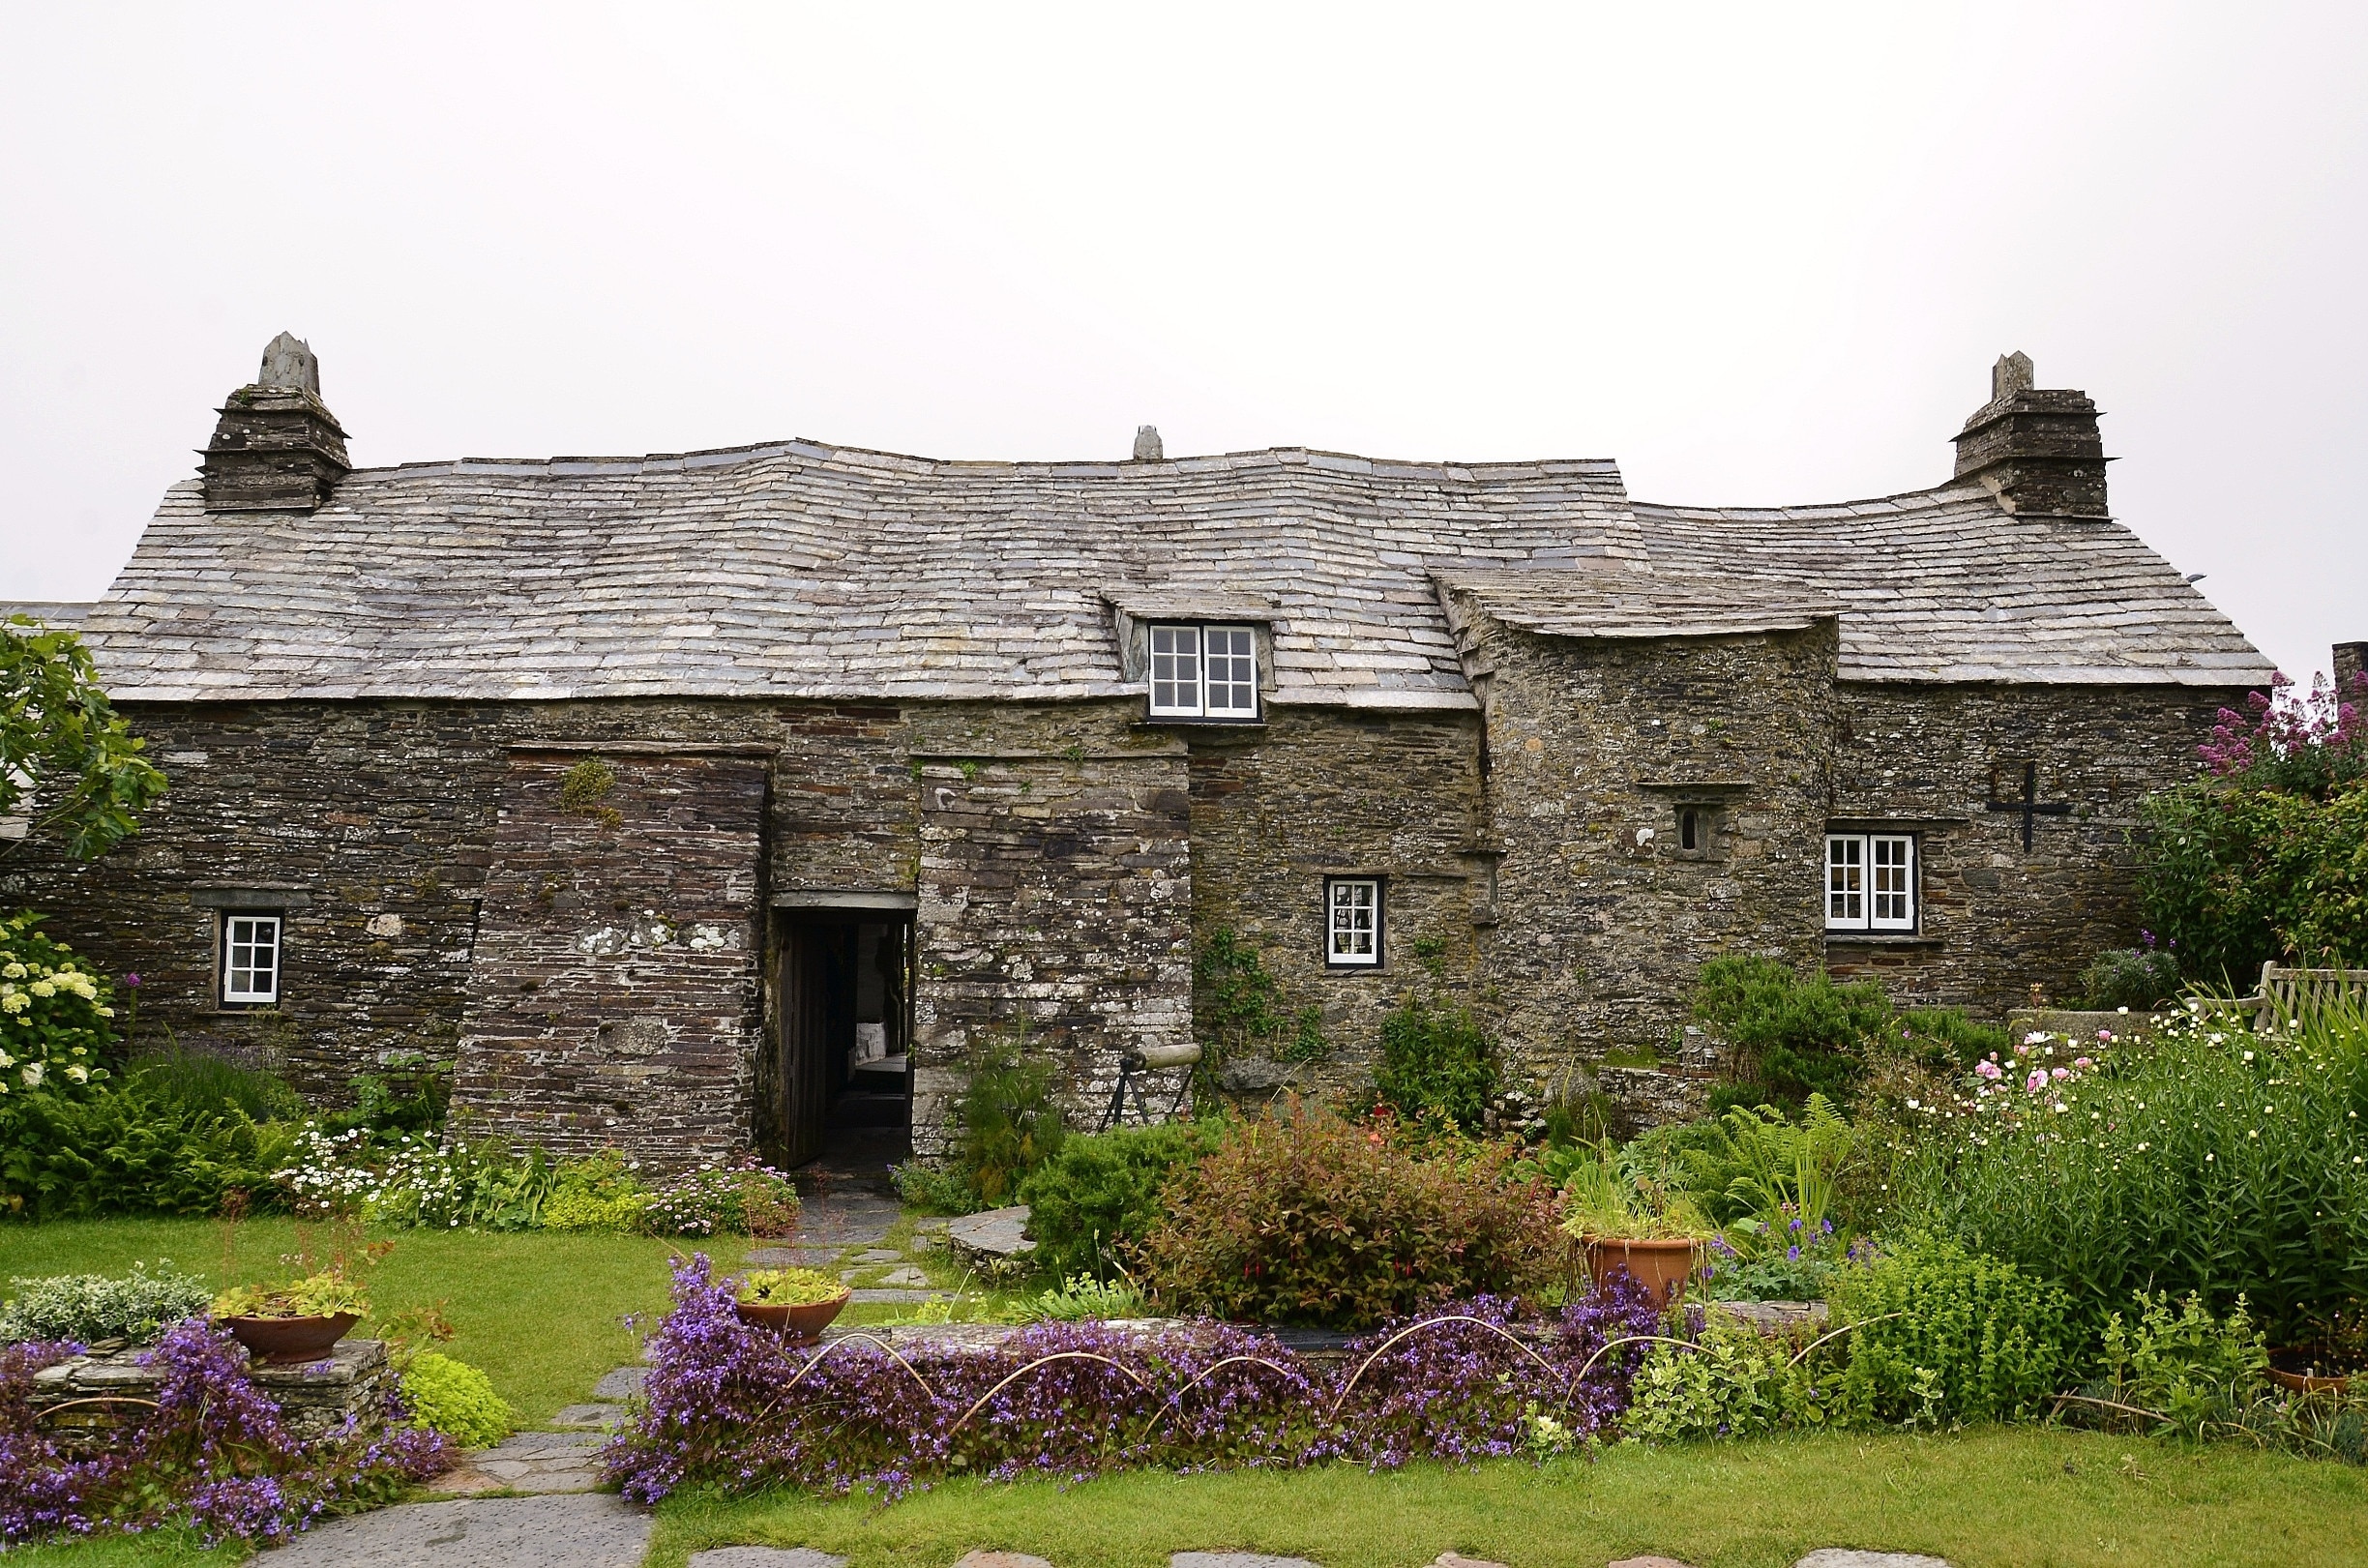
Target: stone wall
x,y
1055,910
1602,916
1997,918
615,1000
1313,793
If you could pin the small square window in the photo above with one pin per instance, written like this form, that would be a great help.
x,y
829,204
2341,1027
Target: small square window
x,y
249,959
1203,673
1352,922
1870,881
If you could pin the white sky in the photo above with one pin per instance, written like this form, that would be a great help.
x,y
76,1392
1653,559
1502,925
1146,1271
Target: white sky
x,y
1757,253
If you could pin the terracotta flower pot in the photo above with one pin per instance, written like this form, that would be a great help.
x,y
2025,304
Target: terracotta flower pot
x,y
2308,1380
1661,1268
800,1325
288,1342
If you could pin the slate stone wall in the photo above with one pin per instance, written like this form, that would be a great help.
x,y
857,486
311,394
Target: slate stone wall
x,y
1314,793
1997,918
1601,916
615,1000
1055,914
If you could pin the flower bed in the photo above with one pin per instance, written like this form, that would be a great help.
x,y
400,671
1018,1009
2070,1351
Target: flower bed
x,y
210,1452
738,1408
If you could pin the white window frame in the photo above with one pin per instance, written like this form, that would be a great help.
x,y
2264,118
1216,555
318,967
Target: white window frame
x,y
1345,898
1870,882
250,932
1205,671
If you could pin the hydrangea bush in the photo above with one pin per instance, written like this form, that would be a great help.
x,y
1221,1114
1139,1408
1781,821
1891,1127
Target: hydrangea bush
x,y
55,1016
737,1409
214,1455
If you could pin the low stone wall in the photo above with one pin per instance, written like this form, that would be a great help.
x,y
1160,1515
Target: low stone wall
x,y
84,1400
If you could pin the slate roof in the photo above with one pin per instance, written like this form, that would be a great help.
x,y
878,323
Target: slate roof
x,y
1620,602
799,569
1944,585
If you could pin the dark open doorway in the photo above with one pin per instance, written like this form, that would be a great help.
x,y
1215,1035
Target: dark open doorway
x,y
843,1075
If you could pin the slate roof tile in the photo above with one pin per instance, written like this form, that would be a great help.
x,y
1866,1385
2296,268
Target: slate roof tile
x,y
795,569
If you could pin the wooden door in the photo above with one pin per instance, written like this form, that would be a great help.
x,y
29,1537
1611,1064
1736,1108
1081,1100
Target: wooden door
x,y
808,1011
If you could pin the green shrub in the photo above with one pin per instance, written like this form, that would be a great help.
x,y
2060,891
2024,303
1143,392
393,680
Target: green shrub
x,y
1233,996
193,1081
788,1288
88,1308
599,1194
456,1399
1944,1039
1942,1336
746,1198
1436,1064
2230,878
1081,1298
1100,1193
57,1017
2137,978
410,1094
935,1191
121,1149
2191,1368
1010,1125
2213,1162
1305,1218
1792,1037
1733,1383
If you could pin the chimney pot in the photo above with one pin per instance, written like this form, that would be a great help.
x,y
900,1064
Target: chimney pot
x,y
289,361
2012,373
1147,443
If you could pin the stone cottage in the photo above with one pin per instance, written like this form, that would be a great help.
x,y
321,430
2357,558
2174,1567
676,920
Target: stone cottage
x,y
699,799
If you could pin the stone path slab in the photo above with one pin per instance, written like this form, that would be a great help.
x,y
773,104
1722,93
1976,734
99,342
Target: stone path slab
x,y
601,1417
1834,1557
1234,1559
1456,1559
991,1237
905,1297
621,1384
480,1532
529,1461
1648,1562
999,1559
878,1255
765,1556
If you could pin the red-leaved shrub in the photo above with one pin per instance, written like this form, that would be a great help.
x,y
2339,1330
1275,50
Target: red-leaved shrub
x,y
1307,1218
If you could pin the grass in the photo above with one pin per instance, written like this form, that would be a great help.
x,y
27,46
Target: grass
x,y
2000,1498
539,1311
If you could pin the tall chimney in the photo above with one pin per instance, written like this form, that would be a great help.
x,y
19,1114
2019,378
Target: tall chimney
x,y
2351,669
276,447
2038,451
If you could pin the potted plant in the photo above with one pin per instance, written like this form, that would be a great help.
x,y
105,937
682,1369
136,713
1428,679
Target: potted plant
x,y
1623,1221
796,1302
2330,1361
288,1324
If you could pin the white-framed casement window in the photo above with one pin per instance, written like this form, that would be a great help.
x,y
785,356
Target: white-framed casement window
x,y
1352,922
1203,673
1871,881
249,958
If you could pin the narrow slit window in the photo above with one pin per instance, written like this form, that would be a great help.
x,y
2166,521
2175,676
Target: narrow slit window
x,y
1871,881
1688,834
249,959
1353,922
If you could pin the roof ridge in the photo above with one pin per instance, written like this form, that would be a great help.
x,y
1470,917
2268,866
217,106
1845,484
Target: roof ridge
x,y
1931,493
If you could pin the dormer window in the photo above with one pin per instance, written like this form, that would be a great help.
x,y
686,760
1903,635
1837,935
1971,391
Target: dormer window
x,y
1203,671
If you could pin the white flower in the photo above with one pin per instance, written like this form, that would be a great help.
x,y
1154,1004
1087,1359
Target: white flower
x,y
43,988
32,1074
15,971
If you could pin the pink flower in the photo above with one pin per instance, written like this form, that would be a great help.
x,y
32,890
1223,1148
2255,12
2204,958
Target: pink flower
x,y
2038,1080
2083,1063
2060,1074
1988,1070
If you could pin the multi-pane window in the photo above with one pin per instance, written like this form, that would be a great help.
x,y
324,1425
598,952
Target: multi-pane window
x,y
1870,881
1352,920
1203,673
249,958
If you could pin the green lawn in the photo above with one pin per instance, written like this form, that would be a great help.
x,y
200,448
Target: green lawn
x,y
1998,1498
539,1311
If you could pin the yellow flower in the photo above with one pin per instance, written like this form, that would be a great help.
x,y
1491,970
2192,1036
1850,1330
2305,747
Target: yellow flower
x,y
15,971
43,988
16,1001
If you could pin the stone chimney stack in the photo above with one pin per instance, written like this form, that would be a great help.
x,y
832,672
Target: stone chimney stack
x,y
2350,663
276,447
2038,451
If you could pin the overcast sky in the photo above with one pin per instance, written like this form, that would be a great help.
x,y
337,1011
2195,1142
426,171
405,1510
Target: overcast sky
x,y
1757,253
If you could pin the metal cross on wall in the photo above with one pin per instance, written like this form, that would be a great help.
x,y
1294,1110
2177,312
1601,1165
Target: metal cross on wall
x,y
2029,804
